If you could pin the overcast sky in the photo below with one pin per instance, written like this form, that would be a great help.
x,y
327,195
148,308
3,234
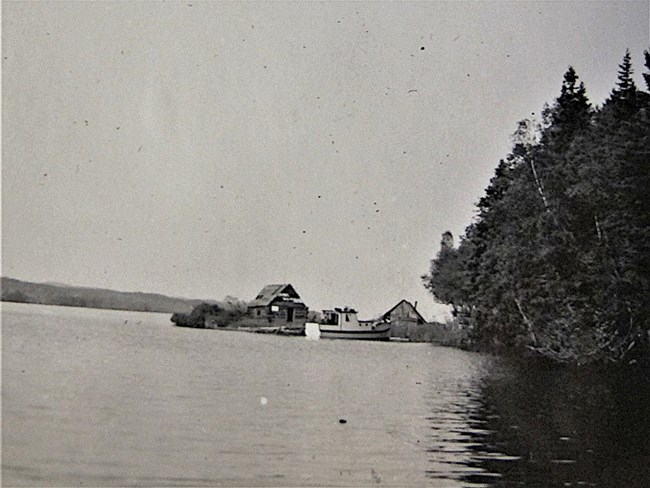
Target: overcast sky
x,y
204,149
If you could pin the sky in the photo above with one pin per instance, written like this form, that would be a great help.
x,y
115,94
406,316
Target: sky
x,y
206,149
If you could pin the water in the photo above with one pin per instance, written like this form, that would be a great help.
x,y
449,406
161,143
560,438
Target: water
x,y
112,398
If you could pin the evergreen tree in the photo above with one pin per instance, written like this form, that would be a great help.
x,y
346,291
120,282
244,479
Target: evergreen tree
x,y
567,120
625,90
570,113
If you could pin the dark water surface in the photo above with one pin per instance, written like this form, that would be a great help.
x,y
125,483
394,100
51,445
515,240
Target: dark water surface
x,y
111,398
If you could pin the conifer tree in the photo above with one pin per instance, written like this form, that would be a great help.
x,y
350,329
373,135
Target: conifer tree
x,y
571,111
625,90
567,120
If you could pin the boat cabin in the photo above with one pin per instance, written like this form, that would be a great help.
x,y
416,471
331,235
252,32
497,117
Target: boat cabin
x,y
339,316
342,323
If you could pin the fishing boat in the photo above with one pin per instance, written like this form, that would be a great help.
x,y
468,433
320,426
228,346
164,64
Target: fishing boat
x,y
342,323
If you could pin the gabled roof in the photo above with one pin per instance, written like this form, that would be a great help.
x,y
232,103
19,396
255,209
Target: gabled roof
x,y
409,304
271,292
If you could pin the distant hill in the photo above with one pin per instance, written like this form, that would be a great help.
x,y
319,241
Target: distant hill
x,y
74,296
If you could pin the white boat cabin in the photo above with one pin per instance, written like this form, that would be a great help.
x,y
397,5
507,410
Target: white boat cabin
x,y
338,316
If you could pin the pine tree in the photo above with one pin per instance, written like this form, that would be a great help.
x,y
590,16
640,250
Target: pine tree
x,y
625,88
567,120
571,111
624,95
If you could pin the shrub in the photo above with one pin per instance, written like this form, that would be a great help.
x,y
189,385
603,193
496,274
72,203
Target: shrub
x,y
209,316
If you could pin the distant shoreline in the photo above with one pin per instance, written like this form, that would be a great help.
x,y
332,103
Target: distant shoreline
x,y
19,291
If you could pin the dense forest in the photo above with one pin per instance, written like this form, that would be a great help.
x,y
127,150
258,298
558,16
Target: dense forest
x,y
557,260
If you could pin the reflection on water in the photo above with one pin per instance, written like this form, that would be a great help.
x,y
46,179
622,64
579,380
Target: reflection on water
x,y
456,426
108,398
543,425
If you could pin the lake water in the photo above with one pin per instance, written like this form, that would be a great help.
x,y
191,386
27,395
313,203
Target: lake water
x,y
113,398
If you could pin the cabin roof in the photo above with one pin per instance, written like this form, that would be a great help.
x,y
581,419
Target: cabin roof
x,y
409,304
270,292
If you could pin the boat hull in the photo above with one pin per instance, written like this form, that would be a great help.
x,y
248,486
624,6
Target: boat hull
x,y
367,335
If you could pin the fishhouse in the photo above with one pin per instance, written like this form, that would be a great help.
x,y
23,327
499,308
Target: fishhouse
x,y
278,305
406,322
404,313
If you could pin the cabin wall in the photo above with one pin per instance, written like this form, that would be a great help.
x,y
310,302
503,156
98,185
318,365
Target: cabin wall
x,y
266,316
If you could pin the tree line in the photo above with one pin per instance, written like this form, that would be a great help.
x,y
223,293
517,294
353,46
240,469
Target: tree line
x,y
557,260
13,290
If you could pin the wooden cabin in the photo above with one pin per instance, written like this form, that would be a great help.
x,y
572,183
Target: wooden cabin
x,y
278,305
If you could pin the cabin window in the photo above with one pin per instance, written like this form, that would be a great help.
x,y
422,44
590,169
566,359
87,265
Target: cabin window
x,y
347,317
331,319
275,308
259,312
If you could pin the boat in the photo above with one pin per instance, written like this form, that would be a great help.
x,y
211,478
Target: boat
x,y
342,323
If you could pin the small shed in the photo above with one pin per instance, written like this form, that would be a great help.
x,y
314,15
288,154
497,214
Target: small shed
x,y
279,305
405,321
404,313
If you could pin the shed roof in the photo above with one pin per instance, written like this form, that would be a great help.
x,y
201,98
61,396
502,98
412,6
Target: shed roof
x,y
410,305
271,292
